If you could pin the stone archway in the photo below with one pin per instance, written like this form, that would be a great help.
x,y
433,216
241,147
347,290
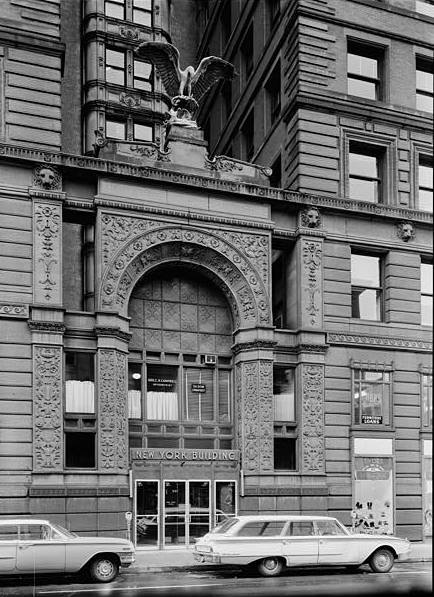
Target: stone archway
x,y
227,266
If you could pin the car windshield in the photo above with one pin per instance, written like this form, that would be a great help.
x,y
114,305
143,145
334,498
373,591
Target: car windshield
x,y
225,525
63,531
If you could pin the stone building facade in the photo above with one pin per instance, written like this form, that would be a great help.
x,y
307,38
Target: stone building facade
x,y
180,339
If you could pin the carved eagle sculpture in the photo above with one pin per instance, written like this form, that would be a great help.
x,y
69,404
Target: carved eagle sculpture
x,y
185,87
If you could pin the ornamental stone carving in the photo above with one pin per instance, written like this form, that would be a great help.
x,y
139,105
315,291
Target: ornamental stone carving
x,y
405,231
310,218
47,249
254,386
112,408
47,408
312,378
12,310
226,265
311,280
47,177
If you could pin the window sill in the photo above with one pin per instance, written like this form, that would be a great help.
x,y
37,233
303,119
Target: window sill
x,y
372,428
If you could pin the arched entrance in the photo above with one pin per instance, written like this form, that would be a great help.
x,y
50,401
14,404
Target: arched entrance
x,y
180,406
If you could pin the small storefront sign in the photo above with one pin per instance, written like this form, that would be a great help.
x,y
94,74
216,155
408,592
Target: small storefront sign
x,y
198,388
372,419
184,455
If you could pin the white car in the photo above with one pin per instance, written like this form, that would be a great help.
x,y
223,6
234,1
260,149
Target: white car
x,y
273,542
35,546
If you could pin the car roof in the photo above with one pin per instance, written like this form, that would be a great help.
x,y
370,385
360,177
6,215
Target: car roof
x,y
24,521
292,517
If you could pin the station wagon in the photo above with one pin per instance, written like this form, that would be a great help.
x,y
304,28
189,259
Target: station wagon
x,y
273,542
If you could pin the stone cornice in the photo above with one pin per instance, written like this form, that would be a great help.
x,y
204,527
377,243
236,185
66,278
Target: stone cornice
x,y
47,194
319,348
113,332
46,44
205,183
253,345
47,327
382,341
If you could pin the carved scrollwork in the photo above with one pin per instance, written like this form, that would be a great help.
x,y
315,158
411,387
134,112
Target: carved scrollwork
x,y
151,151
47,247
313,418
16,311
47,404
223,164
312,280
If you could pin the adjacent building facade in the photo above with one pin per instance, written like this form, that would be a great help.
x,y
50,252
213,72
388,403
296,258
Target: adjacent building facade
x,y
186,336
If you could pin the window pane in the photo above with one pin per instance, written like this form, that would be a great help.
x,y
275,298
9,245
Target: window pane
x,y
142,18
427,400
80,450
362,65
142,132
79,382
366,304
225,500
283,394
426,306
162,393
134,391
373,376
424,81
363,165
425,176
224,389
8,532
425,200
114,9
360,88
142,69
424,8
329,527
424,103
114,130
364,190
300,529
426,278
199,394
285,453
365,270
372,406
114,58
144,4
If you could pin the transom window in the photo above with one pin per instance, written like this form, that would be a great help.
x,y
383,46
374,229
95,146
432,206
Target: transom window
x,y
424,84
115,67
371,392
426,292
366,289
425,184
364,71
365,163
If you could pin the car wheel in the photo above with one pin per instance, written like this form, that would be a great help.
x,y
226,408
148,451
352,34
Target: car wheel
x,y
270,566
103,569
382,560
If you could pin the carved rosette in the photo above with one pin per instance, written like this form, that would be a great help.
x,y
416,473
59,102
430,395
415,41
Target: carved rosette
x,y
227,266
47,250
255,398
112,408
312,378
311,281
47,408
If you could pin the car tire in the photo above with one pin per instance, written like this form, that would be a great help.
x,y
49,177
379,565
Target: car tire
x,y
103,569
271,566
382,560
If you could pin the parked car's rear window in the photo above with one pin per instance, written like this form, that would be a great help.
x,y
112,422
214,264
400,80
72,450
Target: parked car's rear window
x,y
8,532
225,525
300,528
261,528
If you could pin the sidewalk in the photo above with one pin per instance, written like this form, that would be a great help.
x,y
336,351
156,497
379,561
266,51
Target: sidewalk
x,y
157,561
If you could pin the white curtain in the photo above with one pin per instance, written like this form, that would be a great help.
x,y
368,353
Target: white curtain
x,y
134,404
79,396
284,407
162,406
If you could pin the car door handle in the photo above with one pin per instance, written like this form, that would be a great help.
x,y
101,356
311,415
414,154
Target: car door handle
x,y
26,546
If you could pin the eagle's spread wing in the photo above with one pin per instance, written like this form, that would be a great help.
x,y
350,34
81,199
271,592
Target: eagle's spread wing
x,y
209,71
166,60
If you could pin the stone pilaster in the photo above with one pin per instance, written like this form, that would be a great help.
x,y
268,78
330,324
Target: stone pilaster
x,y
311,383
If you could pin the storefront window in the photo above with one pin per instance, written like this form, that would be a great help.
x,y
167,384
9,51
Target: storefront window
x,y
371,397
134,390
373,495
162,393
225,492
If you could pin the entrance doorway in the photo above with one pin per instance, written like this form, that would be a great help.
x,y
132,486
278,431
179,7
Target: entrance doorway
x,y
174,513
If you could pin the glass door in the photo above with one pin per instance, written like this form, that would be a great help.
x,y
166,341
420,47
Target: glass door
x,y
147,515
187,512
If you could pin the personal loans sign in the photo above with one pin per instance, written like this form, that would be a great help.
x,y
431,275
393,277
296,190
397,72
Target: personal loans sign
x,y
184,455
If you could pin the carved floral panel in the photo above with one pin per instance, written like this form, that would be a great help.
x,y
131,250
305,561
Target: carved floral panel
x,y
47,408
312,379
47,271
112,408
311,281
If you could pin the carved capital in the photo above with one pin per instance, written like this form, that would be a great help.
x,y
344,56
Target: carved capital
x,y
253,345
47,327
47,408
113,332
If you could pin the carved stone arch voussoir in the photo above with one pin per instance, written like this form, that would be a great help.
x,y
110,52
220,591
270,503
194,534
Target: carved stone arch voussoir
x,y
227,267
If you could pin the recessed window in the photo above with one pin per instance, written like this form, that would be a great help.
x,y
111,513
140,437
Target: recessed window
x,y
115,67
247,48
115,9
143,132
364,64
79,450
79,382
115,129
426,292
272,88
425,7
162,393
276,176
272,8
285,430
365,169
371,393
284,394
366,290
248,137
425,184
142,12
142,75
427,400
285,453
424,84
